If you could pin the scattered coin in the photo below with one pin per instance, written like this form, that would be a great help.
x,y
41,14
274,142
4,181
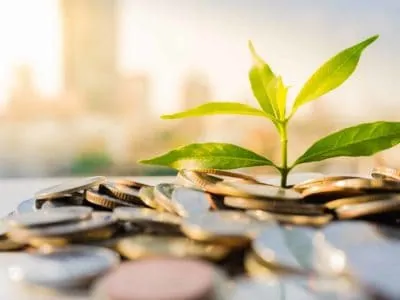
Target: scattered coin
x,y
101,226
335,204
228,175
255,267
146,194
67,200
386,173
142,246
276,206
69,187
161,279
68,267
121,192
232,228
129,183
163,196
187,201
27,206
301,186
366,184
138,215
50,216
302,220
105,200
351,211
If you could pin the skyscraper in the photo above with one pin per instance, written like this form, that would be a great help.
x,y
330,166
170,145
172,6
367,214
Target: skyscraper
x,y
90,49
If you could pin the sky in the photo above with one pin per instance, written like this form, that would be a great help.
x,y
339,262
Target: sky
x,y
170,39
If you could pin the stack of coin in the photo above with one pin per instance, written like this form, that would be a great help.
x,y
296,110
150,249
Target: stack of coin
x,y
215,224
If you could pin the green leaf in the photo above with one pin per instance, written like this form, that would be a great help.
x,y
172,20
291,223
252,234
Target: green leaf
x,y
332,73
209,155
361,140
260,76
217,108
277,93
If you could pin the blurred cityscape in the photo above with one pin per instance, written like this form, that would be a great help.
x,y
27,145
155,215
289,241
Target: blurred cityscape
x,y
101,121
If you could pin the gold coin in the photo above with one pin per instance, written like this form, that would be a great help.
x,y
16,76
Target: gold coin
x,y
137,215
302,186
292,179
101,226
69,187
240,189
351,211
231,228
277,206
255,267
121,192
386,173
129,183
202,181
311,220
329,191
143,246
163,194
146,194
183,179
367,184
358,199
187,201
105,200
228,174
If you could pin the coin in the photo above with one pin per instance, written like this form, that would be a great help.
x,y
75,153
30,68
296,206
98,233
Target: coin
x,y
240,189
67,200
277,206
69,187
333,242
137,215
203,181
187,201
142,246
163,195
351,211
27,206
295,219
121,192
257,268
68,267
376,272
50,216
101,226
328,192
292,179
291,248
366,184
5,243
161,279
146,194
130,183
232,228
301,186
334,204
105,201
228,175
386,173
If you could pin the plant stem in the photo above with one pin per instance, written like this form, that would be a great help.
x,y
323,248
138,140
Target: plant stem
x,y
284,142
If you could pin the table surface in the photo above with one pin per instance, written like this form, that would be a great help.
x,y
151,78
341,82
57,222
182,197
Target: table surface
x,y
13,191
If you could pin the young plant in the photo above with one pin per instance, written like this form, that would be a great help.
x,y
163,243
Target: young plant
x,y
270,92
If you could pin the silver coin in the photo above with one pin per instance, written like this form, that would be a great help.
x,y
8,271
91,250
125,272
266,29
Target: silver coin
x,y
163,194
69,267
50,216
224,223
69,187
375,265
189,201
27,206
290,248
333,242
132,214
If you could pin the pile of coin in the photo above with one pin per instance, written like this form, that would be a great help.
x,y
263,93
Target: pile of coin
x,y
212,235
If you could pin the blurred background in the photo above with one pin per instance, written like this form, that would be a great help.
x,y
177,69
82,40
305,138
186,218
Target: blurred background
x,y
83,82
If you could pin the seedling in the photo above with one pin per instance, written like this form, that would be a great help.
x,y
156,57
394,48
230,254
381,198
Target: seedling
x,y
271,93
